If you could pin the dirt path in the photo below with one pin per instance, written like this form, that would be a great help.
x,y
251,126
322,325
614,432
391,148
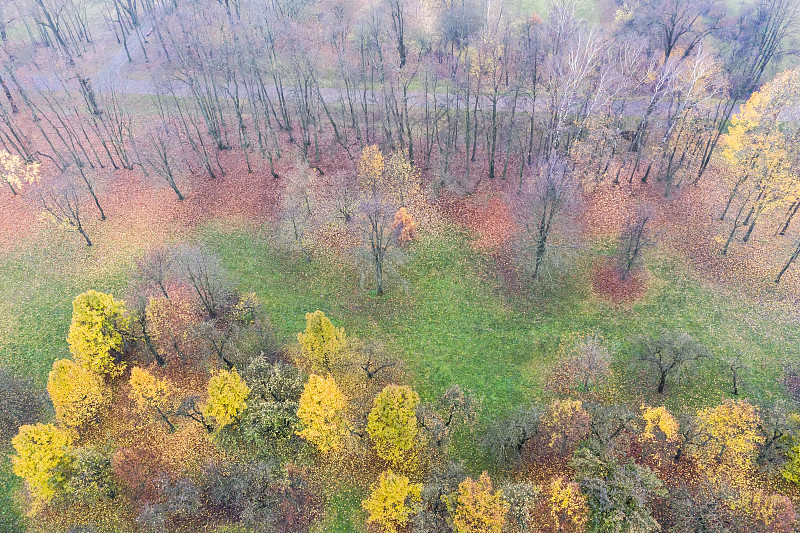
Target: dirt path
x,y
115,77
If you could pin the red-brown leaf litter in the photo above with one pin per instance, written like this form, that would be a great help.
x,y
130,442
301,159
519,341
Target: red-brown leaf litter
x,y
608,283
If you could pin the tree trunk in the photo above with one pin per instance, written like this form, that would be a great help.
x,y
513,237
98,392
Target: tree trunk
x,y
379,275
791,260
85,236
9,97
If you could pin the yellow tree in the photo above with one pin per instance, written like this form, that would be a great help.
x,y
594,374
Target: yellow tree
x,y
476,507
791,470
16,172
41,458
320,411
78,395
392,502
322,343
227,395
96,334
661,433
392,424
151,394
759,152
371,167
568,511
659,424
728,438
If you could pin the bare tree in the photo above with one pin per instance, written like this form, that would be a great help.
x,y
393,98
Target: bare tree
x,y
677,25
792,258
669,354
155,268
3,23
63,202
735,365
205,275
588,363
632,240
380,234
550,188
158,155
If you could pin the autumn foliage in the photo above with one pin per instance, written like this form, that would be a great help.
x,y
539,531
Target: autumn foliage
x,y
96,333
42,454
392,424
392,502
227,395
476,507
729,438
567,509
16,172
78,395
321,343
321,411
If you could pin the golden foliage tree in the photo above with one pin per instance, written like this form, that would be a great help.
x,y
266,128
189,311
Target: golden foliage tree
x,y
322,343
660,425
568,511
227,396
661,434
728,437
78,395
16,172
371,166
392,424
96,333
42,455
320,411
759,152
476,507
151,394
392,502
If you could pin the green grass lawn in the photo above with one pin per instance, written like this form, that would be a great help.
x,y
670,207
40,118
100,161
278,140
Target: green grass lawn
x,y
452,322
10,518
455,324
38,281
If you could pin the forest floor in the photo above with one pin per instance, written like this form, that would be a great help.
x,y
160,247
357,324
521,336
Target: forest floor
x,y
462,313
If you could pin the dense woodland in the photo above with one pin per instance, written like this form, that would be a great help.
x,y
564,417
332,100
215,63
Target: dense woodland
x,y
541,161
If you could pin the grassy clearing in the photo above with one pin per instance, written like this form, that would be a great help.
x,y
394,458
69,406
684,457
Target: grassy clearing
x,y
453,323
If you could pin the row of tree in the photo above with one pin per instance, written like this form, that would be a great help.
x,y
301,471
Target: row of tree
x,y
460,92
